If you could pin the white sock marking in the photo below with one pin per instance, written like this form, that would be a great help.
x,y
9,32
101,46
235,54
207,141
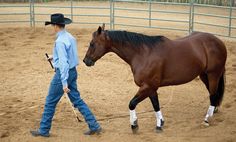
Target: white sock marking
x,y
133,116
159,117
210,112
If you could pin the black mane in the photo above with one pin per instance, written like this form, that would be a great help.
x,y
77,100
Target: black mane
x,y
136,39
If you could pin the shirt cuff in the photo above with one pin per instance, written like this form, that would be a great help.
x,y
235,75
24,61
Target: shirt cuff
x,y
64,83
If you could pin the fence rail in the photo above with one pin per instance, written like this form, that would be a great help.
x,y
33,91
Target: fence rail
x,y
190,19
211,2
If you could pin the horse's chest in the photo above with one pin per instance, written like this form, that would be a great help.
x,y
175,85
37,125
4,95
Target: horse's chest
x,y
146,74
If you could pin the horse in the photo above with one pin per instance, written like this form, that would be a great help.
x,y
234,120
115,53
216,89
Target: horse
x,y
158,61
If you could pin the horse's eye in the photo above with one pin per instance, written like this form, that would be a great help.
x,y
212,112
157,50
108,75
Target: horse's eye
x,y
91,45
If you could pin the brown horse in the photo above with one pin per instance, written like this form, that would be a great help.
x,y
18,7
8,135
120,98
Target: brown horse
x,y
157,61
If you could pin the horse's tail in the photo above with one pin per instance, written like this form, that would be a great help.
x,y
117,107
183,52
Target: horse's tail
x,y
220,90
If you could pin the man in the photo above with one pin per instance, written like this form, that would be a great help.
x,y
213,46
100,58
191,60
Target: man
x,y
65,60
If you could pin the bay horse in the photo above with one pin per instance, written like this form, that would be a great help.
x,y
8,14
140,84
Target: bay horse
x,y
157,61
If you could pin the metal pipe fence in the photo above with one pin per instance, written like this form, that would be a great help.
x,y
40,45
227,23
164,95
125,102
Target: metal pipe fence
x,y
184,17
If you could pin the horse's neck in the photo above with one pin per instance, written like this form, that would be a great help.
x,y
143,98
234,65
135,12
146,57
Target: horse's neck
x,y
125,52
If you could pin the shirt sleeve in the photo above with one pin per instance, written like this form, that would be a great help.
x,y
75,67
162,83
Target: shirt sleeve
x,y
63,62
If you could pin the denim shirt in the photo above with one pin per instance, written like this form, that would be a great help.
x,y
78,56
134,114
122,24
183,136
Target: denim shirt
x,y
65,54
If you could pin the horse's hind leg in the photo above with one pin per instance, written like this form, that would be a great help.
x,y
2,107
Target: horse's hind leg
x,y
156,106
216,82
204,79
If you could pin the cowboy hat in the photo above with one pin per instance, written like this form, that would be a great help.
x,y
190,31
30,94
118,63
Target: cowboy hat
x,y
59,19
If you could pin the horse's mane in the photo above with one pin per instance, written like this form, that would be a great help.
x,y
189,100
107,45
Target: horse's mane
x,y
136,39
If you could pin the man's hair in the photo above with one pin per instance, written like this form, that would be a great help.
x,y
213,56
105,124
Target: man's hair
x,y
60,25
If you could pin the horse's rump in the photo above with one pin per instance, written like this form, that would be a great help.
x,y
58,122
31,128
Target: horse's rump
x,y
192,55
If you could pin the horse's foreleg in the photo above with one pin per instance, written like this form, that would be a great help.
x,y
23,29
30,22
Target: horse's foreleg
x,y
156,106
133,117
143,93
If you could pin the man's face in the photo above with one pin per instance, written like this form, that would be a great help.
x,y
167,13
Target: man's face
x,y
55,28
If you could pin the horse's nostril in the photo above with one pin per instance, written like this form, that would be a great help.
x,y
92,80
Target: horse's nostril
x,y
88,61
85,59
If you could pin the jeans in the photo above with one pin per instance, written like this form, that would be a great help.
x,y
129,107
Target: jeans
x,y
54,95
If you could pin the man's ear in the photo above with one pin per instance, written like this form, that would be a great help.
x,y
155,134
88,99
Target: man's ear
x,y
99,30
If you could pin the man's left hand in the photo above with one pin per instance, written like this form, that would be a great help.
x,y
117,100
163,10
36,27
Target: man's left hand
x,y
66,90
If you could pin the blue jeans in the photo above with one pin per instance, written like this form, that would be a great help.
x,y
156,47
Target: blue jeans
x,y
54,95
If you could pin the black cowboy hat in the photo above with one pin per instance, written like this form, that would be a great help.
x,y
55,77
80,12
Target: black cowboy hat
x,y
59,19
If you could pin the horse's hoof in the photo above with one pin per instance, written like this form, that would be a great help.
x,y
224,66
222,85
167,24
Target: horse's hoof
x,y
135,127
206,123
162,122
159,129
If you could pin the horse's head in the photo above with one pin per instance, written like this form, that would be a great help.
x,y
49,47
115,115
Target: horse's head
x,y
99,46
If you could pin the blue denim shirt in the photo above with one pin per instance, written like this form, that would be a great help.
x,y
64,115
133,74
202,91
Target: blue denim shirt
x,y
65,54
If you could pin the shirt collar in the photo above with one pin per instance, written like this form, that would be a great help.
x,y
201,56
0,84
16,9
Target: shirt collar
x,y
60,32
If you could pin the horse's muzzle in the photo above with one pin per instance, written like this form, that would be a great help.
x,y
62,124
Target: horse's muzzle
x,y
88,62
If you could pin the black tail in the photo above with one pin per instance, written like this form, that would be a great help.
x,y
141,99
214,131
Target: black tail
x,y
220,91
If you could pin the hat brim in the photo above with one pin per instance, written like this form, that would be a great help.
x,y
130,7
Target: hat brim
x,y
66,21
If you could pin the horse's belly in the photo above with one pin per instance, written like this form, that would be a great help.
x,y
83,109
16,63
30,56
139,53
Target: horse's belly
x,y
177,81
181,74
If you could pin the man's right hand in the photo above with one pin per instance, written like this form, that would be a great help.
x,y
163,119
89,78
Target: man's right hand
x,y
50,58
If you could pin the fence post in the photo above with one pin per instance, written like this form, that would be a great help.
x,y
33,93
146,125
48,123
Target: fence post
x,y
71,9
150,13
30,5
113,13
111,18
193,2
191,16
33,15
230,18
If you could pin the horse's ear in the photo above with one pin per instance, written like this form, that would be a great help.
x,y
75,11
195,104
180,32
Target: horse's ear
x,y
99,30
103,26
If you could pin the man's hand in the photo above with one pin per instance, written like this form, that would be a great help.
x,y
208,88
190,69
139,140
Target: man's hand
x,y
50,58
66,90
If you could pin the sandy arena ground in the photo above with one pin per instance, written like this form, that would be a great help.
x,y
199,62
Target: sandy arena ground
x,y
107,88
